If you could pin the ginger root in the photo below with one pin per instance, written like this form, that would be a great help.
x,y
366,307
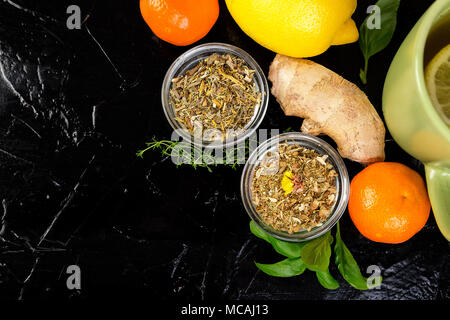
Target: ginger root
x,y
329,104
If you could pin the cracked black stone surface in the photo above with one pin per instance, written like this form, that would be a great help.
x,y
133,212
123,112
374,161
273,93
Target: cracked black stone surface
x,y
76,105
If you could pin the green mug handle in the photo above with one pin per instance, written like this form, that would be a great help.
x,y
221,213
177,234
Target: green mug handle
x,y
438,182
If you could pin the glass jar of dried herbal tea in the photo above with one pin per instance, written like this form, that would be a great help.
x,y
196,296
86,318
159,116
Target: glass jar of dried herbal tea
x,y
215,95
218,93
298,193
295,186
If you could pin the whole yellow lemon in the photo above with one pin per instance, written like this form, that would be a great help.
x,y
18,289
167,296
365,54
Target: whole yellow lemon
x,y
296,28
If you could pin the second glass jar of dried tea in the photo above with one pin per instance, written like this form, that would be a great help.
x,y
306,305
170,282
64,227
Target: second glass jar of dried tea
x,y
297,191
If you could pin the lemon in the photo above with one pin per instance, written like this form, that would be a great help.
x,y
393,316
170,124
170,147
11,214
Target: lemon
x,y
437,78
296,28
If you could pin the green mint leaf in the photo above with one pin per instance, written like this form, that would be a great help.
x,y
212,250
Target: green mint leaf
x,y
327,280
287,249
372,41
316,253
347,265
285,268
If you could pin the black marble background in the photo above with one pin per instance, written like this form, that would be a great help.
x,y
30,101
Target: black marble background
x,y
75,105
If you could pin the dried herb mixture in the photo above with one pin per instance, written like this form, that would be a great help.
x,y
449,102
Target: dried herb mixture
x,y
294,189
218,93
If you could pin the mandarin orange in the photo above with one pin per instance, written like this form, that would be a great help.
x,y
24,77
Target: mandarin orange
x,y
180,22
388,202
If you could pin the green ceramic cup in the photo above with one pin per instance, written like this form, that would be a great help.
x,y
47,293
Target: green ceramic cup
x,y
411,118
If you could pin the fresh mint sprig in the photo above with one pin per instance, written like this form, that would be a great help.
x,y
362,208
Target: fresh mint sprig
x,y
313,255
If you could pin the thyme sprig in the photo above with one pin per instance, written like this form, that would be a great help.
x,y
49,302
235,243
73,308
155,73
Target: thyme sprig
x,y
195,156
166,147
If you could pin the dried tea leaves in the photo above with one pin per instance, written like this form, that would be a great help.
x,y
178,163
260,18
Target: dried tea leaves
x,y
297,192
219,93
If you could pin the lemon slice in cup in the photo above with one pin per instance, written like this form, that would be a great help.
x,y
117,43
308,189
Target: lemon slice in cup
x,y
437,78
